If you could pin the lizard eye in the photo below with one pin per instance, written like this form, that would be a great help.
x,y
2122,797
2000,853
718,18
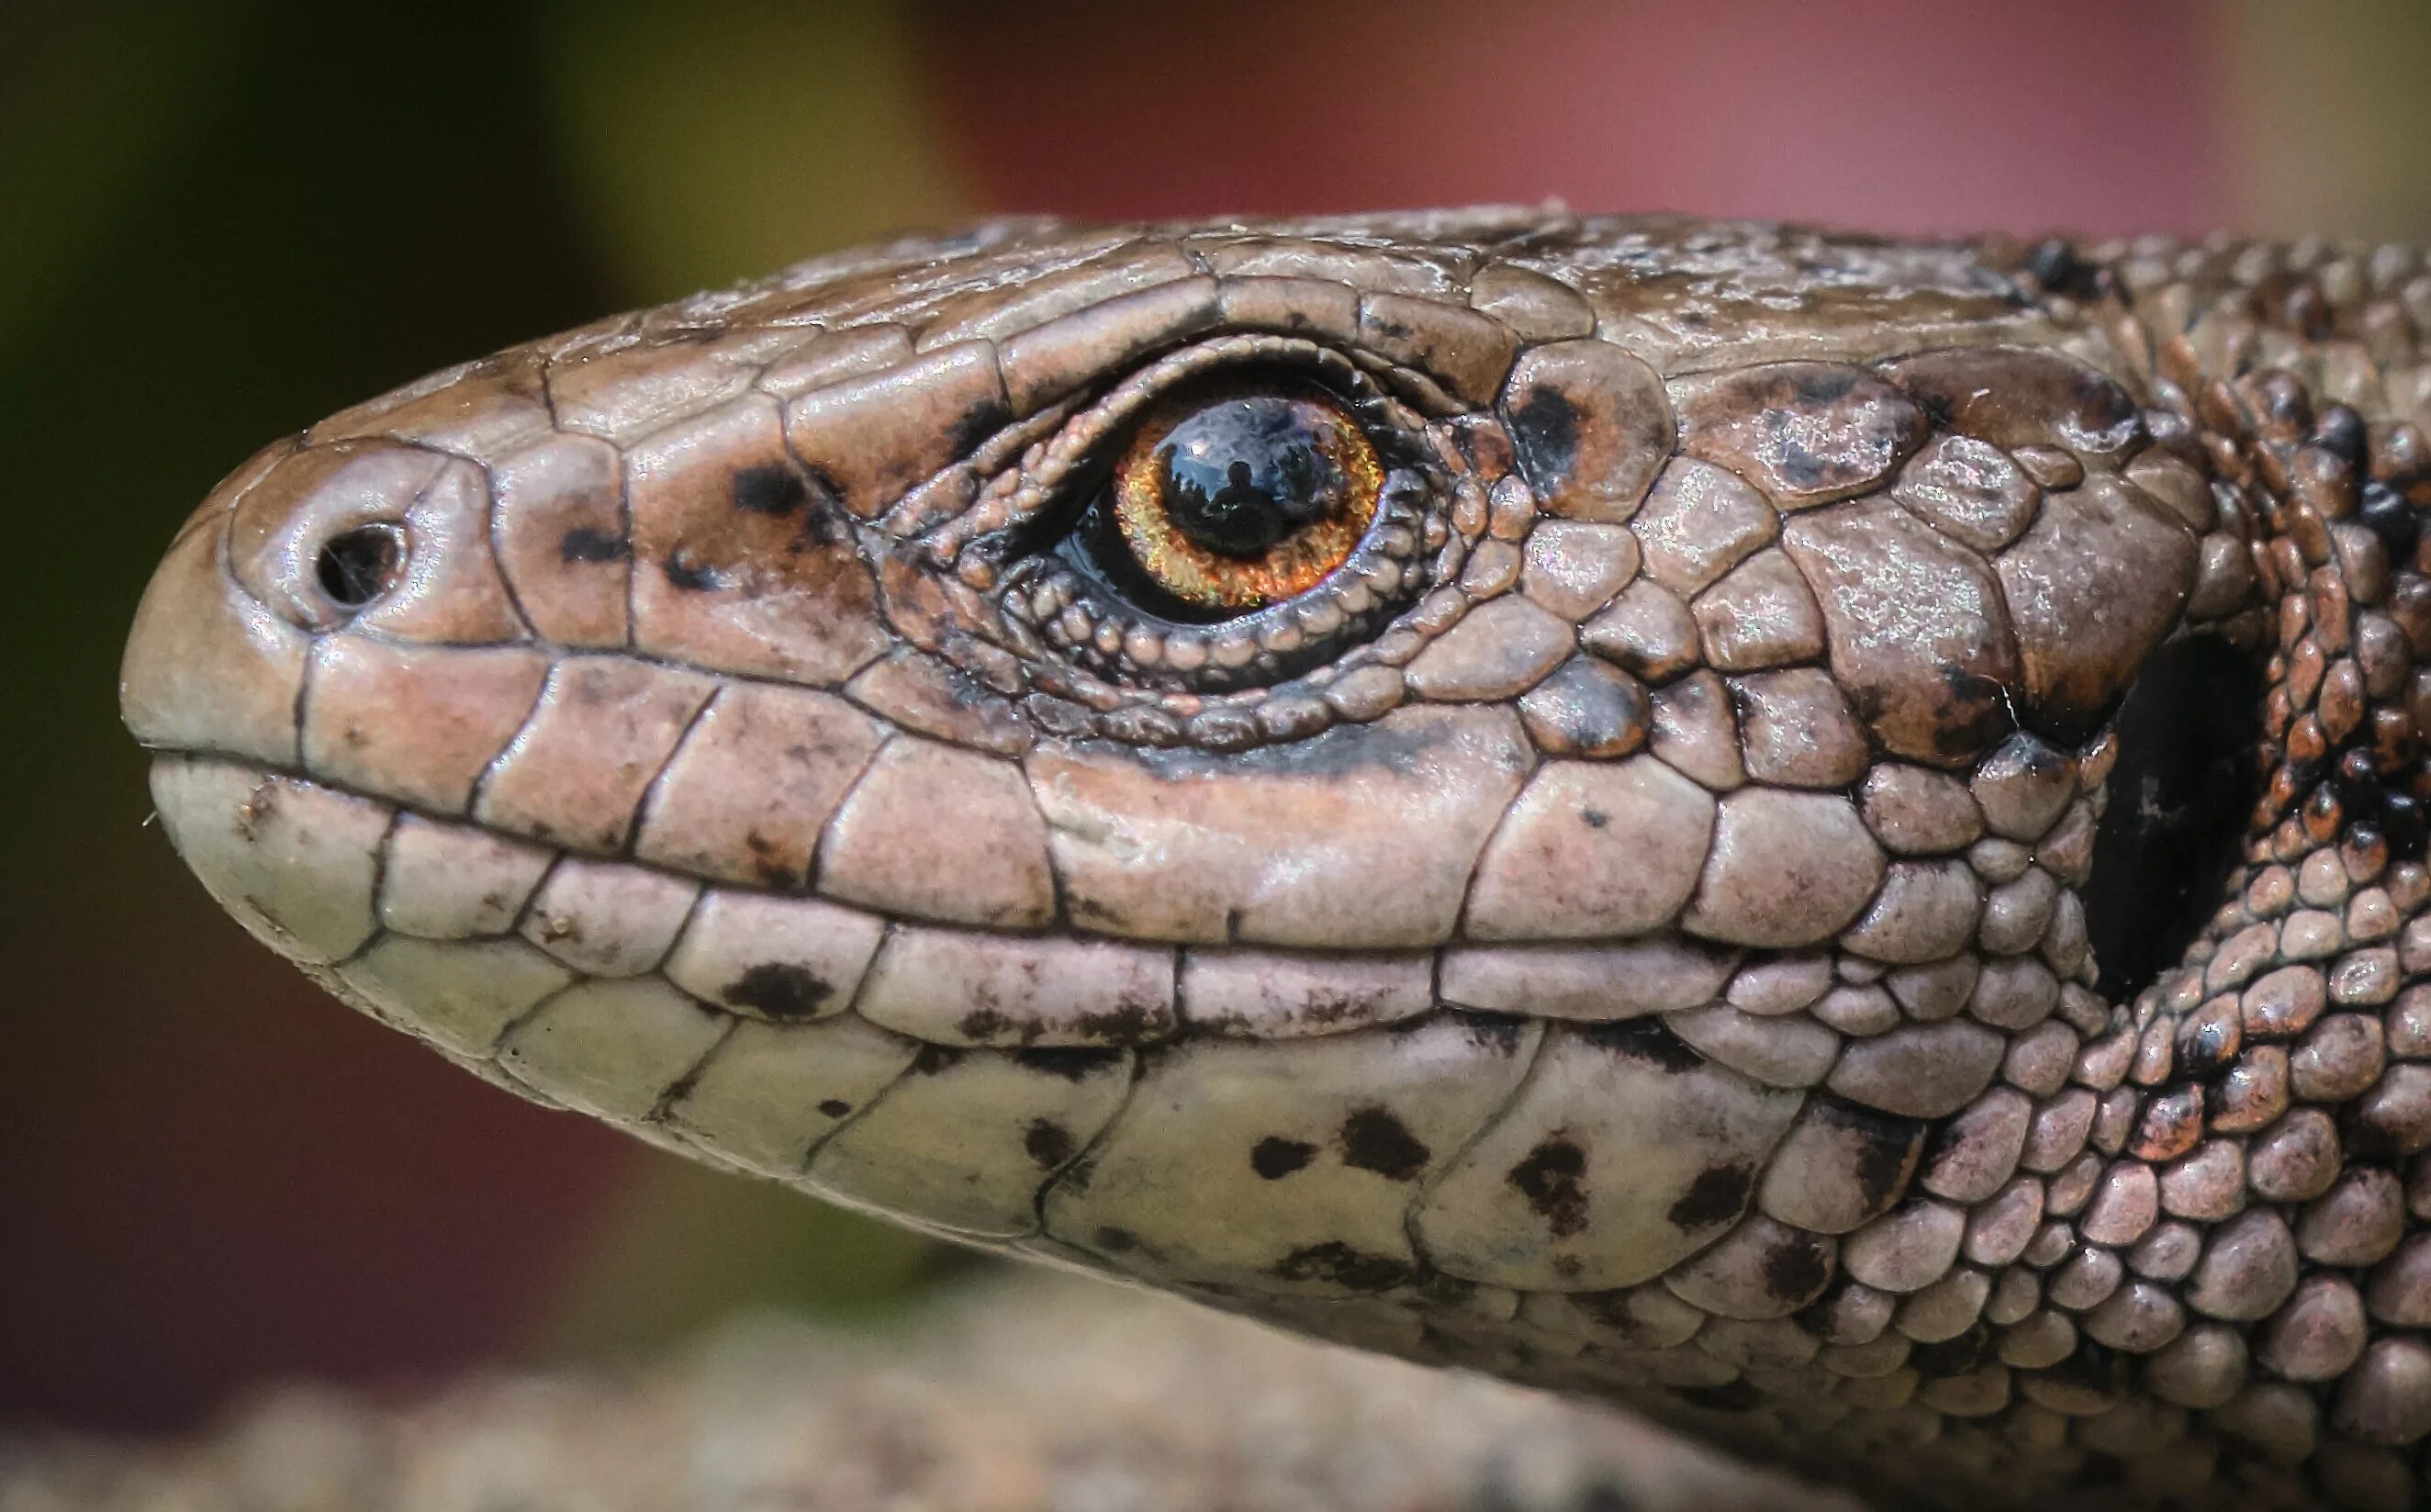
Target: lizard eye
x,y
1229,497
1227,516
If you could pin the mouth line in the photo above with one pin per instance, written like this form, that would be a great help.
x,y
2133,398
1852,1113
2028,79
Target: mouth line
x,y
443,879
794,1038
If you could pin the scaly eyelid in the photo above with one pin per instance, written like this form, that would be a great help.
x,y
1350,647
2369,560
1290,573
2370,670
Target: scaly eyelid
x,y
1028,474
998,539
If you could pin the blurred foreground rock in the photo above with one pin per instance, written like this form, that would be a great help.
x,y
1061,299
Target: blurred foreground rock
x,y
1037,1395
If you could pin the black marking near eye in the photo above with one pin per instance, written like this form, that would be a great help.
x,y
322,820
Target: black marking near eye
x,y
1545,436
584,544
771,488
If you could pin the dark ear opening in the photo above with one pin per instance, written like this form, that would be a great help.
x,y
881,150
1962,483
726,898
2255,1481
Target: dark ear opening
x,y
2181,797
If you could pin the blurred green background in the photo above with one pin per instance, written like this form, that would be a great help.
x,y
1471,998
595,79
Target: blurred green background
x,y
222,219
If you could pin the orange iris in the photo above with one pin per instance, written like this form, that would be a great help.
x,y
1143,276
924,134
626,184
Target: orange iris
x,y
1235,498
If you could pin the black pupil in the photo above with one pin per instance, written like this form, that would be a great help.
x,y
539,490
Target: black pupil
x,y
360,564
1243,474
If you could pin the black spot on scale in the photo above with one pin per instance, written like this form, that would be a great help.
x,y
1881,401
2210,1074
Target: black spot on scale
x,y
975,425
1116,1241
1973,712
1373,1139
1553,1179
1594,818
771,488
779,989
1047,1143
1544,428
1717,1196
835,1108
1798,1267
1799,462
1822,386
1275,1157
583,545
1886,1145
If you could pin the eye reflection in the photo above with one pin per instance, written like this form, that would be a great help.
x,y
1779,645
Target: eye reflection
x,y
1232,498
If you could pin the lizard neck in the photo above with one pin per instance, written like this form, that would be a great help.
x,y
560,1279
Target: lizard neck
x,y
2227,1169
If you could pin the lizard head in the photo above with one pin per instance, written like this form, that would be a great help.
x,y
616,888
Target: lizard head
x,y
1494,785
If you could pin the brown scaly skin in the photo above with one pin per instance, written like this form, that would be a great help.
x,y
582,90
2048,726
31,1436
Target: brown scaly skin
x,y
1732,900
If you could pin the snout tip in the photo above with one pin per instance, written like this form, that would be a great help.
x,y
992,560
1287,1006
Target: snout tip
x,y
206,666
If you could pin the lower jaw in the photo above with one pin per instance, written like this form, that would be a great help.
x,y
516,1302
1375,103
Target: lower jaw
x,y
1320,1139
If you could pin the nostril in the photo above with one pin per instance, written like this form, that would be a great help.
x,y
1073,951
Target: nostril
x,y
360,564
